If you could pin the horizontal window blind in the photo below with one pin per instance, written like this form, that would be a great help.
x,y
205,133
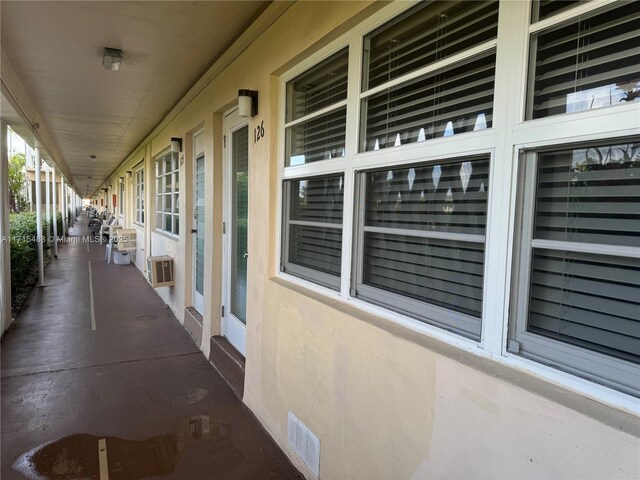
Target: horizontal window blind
x,y
321,138
592,301
589,195
444,273
446,197
313,227
426,34
589,63
450,101
422,238
542,9
318,88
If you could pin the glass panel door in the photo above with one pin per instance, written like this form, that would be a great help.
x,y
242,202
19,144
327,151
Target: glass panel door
x,y
198,250
239,254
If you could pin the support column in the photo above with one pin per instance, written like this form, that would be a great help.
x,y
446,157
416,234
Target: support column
x,y
47,202
54,212
38,200
5,246
63,207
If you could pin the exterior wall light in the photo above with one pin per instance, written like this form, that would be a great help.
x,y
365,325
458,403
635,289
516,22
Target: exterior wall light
x,y
112,58
247,103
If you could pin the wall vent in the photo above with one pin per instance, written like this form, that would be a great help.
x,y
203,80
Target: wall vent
x,y
304,443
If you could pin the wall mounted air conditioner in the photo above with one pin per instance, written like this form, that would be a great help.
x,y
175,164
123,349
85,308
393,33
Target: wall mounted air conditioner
x,y
160,271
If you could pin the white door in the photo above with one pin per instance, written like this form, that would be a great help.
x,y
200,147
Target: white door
x,y
198,231
236,196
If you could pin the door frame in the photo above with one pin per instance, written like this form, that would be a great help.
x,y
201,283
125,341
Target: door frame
x,y
231,327
197,299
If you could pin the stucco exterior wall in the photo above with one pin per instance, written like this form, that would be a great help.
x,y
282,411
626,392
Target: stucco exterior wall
x,y
385,401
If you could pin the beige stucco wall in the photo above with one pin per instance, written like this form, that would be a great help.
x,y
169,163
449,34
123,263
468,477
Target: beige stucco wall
x,y
385,402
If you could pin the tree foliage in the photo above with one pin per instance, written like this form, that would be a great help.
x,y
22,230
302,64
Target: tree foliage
x,y
17,183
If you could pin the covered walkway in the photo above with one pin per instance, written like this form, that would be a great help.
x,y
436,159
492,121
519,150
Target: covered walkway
x,y
132,377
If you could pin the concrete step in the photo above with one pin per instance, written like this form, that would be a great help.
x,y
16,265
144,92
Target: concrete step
x,y
229,363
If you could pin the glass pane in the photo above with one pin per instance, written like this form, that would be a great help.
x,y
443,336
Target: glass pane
x,y
424,35
317,248
321,138
454,100
443,197
159,169
589,195
168,183
167,222
159,223
159,185
445,273
176,224
587,300
240,169
176,181
200,215
319,87
317,200
176,204
167,164
541,9
589,63
167,203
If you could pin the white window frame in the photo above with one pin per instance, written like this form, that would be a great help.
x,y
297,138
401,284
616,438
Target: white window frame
x,y
510,134
138,185
174,194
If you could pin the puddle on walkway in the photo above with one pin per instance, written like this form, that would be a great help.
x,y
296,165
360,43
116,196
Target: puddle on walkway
x,y
76,457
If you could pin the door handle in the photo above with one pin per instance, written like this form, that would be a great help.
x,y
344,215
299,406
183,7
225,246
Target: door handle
x,y
246,255
194,230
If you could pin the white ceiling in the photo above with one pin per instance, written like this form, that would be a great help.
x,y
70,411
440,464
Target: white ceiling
x,y
56,50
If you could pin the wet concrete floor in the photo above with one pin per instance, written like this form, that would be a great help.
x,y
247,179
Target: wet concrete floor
x,y
132,399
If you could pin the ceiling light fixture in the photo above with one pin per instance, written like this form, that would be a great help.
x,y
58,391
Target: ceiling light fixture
x,y
112,58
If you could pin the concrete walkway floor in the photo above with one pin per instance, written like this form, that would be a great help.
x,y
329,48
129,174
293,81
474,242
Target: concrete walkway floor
x,y
133,397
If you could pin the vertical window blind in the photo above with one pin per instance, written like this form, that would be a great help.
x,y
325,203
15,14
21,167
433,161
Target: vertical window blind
x,y
316,112
422,238
313,228
589,63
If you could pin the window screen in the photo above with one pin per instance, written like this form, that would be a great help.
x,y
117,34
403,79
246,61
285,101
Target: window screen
x,y
589,63
422,241
139,189
313,229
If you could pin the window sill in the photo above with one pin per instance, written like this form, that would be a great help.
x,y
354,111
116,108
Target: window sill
x,y
603,403
170,236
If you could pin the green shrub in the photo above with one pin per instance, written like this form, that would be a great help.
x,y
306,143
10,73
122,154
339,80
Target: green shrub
x,y
24,254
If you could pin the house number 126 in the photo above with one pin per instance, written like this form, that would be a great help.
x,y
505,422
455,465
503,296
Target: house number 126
x,y
258,133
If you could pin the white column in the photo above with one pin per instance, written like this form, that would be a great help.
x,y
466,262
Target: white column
x,y
5,253
38,200
54,213
47,202
63,207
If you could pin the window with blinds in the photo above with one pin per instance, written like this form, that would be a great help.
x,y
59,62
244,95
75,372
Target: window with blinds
x,y
421,241
590,62
167,193
584,272
312,246
316,112
543,9
427,96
